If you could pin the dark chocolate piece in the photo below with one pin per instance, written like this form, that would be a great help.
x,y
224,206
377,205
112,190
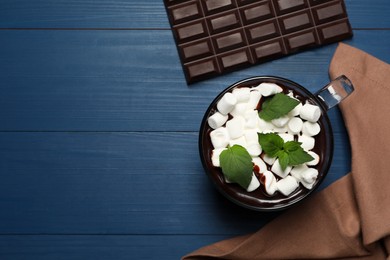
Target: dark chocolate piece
x,y
268,50
196,50
217,36
257,12
262,31
214,6
228,41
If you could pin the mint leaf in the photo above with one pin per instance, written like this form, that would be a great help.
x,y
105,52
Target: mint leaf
x,y
289,153
284,159
279,105
237,166
271,143
291,146
299,156
265,103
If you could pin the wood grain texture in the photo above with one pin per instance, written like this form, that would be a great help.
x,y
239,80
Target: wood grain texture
x,y
116,14
128,80
119,183
98,130
108,247
83,14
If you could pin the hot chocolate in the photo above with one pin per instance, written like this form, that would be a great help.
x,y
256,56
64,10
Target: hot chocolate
x,y
261,198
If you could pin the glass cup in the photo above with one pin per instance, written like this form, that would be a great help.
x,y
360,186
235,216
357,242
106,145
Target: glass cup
x,y
326,98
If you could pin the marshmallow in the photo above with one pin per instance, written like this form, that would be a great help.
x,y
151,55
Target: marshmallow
x,y
257,161
241,94
295,125
287,185
254,184
311,129
281,121
316,159
269,182
264,125
307,142
254,98
296,110
215,156
239,141
268,160
227,103
219,137
283,129
287,137
239,109
235,127
217,120
267,89
251,119
254,149
310,112
277,169
296,171
251,136
309,177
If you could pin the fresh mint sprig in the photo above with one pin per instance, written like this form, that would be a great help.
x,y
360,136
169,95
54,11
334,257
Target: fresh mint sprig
x,y
277,106
237,166
289,153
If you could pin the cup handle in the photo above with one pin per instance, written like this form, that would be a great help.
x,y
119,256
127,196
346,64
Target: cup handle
x,y
334,92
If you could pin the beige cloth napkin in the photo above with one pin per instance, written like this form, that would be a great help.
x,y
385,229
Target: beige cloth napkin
x,y
350,218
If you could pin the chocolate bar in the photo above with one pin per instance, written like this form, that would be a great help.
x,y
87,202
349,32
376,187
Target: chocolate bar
x,y
214,37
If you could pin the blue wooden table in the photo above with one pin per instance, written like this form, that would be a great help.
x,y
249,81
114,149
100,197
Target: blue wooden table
x,y
98,130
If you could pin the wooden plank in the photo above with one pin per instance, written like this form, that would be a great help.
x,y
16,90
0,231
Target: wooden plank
x,y
101,247
139,14
83,14
119,183
127,80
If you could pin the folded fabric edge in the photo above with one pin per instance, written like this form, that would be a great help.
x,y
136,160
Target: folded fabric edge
x,y
371,77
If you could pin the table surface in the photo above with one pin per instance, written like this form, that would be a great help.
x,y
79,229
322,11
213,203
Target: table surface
x,y
99,130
